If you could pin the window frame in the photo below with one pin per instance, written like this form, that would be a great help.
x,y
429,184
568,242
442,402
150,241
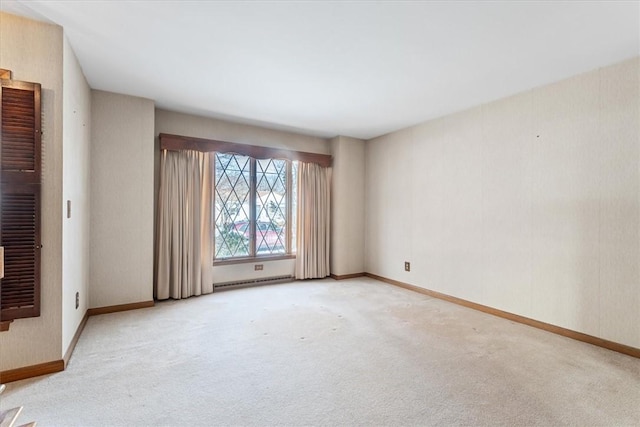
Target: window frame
x,y
253,214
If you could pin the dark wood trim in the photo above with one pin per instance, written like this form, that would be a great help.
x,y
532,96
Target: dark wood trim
x,y
31,371
579,336
120,307
75,339
346,276
4,325
20,119
177,142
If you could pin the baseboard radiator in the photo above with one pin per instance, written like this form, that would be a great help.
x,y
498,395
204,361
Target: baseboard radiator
x,y
251,282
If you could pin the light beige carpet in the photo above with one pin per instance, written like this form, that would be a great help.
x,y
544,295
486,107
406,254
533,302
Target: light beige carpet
x,y
355,352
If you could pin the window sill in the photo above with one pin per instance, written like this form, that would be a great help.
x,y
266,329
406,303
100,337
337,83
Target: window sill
x,y
231,261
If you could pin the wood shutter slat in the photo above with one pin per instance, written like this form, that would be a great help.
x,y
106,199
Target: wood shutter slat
x,y
19,234
20,170
18,135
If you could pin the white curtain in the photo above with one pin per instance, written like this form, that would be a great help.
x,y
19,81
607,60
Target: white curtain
x,y
183,254
312,232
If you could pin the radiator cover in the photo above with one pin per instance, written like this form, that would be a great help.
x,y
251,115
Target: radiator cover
x,y
251,282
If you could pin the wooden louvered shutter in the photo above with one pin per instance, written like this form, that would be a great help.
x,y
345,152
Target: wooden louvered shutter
x,y
20,171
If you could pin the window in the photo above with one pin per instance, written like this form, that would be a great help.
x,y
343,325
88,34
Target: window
x,y
254,206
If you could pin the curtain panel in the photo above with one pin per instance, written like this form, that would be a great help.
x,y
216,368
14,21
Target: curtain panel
x,y
184,265
313,221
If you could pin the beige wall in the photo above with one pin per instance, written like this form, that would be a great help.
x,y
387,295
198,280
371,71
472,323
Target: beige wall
x,y
33,51
75,187
529,204
121,242
347,206
202,127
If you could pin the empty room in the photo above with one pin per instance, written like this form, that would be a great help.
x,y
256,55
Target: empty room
x,y
261,213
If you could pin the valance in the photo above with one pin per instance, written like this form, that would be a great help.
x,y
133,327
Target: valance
x,y
177,143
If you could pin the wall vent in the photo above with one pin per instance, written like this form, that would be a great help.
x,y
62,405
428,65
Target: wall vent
x,y
251,282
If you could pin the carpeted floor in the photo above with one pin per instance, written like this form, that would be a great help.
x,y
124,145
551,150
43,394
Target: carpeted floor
x,y
354,352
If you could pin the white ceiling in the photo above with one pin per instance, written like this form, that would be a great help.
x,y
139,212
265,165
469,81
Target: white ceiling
x,y
354,68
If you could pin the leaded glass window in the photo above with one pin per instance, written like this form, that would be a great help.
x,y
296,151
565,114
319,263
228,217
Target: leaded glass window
x,y
253,206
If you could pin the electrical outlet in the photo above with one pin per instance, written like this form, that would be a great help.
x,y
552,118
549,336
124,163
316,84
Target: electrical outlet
x,y
258,267
77,300
407,266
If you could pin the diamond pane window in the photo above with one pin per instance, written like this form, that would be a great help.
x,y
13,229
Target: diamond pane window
x,y
232,205
253,206
271,206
